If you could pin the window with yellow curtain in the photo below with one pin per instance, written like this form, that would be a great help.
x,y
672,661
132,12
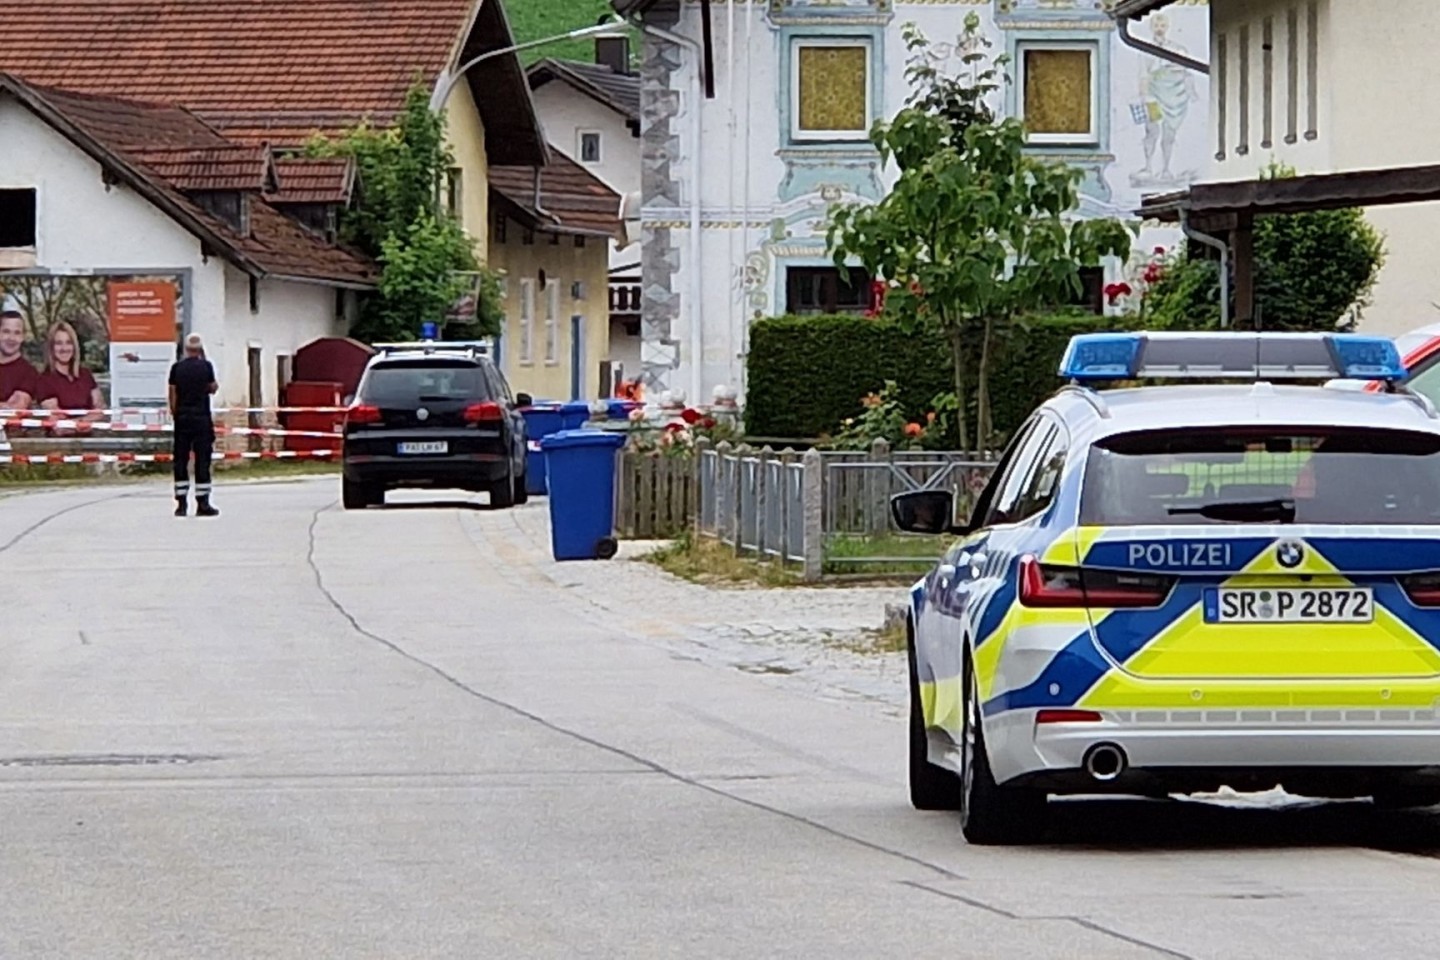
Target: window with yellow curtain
x,y
1059,92
831,89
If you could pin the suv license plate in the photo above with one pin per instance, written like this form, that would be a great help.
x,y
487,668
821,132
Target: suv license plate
x,y
1290,605
428,446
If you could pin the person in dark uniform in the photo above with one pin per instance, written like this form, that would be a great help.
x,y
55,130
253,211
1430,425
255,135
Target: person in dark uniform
x,y
192,381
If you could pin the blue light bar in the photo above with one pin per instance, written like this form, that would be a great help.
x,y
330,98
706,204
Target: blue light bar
x,y
1097,357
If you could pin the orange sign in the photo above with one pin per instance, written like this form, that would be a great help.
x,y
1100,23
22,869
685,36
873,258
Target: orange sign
x,y
142,312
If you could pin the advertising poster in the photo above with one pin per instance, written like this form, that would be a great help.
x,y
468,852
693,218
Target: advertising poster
x,y
142,324
103,341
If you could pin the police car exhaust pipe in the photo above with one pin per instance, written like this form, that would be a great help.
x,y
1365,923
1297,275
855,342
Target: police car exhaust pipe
x,y
1104,762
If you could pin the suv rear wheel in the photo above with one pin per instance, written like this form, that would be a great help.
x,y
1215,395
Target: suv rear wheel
x,y
502,491
355,495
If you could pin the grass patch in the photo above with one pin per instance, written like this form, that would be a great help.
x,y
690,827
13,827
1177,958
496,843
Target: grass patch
x,y
884,555
705,561
538,19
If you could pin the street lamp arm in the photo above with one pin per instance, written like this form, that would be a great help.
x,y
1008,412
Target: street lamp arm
x,y
447,81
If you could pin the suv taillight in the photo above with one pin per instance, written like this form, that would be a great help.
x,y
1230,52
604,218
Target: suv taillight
x,y
484,413
1423,589
1045,585
362,413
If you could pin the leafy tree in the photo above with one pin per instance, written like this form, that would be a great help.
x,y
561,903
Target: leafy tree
x,y
976,232
427,259
1311,270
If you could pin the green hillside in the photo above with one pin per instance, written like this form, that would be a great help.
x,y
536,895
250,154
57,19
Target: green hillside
x,y
537,19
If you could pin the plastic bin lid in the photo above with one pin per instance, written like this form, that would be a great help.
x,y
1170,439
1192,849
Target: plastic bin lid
x,y
544,406
576,406
569,439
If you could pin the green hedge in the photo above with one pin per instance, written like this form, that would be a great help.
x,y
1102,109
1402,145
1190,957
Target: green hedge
x,y
807,374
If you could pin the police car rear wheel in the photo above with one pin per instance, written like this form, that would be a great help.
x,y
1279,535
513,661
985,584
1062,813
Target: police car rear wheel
x,y
931,787
991,815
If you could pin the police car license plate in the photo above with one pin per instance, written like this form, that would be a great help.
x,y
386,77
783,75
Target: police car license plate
x,y
1290,605
428,446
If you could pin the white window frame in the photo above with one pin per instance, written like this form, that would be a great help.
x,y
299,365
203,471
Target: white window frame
x,y
552,322
527,321
580,136
800,43
1091,136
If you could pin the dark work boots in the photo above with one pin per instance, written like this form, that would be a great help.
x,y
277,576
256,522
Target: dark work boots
x,y
181,508
203,508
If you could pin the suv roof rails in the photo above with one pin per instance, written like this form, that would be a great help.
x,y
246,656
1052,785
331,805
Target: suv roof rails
x,y
472,348
1089,396
1419,399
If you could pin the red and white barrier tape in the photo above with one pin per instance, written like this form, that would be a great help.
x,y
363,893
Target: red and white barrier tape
x,y
96,426
63,458
153,411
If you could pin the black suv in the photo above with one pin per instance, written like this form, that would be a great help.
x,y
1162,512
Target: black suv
x,y
437,416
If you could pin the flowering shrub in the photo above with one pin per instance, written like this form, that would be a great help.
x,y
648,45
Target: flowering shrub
x,y
677,435
883,417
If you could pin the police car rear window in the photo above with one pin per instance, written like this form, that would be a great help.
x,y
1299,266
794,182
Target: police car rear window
x,y
1263,475
434,381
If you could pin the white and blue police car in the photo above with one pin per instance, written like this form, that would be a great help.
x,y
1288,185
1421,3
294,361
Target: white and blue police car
x,y
1169,588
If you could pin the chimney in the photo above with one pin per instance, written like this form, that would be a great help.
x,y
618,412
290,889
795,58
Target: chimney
x,y
613,52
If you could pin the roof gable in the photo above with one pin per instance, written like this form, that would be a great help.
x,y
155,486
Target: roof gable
x,y
275,71
273,246
618,91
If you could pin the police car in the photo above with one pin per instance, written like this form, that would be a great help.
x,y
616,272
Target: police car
x,y
1168,589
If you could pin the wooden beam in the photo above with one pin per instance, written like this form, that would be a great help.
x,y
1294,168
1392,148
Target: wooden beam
x,y
1242,254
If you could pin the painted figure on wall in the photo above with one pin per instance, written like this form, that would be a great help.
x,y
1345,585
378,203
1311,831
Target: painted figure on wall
x,y
1166,92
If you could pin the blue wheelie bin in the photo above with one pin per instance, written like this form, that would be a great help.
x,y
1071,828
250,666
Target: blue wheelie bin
x,y
542,418
575,414
581,470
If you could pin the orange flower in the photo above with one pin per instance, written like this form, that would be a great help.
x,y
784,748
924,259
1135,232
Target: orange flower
x,y
871,400
913,430
930,417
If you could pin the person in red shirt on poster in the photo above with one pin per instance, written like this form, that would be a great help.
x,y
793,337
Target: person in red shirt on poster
x,y
65,384
17,376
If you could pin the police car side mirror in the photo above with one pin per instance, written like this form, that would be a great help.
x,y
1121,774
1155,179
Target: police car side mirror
x,y
925,511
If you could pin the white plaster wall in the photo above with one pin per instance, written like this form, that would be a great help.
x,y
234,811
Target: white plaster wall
x,y
740,168
1374,110
1306,154
290,315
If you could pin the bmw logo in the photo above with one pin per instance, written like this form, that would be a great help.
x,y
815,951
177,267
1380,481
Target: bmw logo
x,y
422,414
1290,555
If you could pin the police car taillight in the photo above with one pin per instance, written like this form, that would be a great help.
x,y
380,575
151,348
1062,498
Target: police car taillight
x,y
1423,589
363,413
1050,586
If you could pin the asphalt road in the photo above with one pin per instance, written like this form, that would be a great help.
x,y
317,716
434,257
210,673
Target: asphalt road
x,y
295,732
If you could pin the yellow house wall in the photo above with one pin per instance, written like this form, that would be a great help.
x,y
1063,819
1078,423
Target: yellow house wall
x,y
562,263
466,134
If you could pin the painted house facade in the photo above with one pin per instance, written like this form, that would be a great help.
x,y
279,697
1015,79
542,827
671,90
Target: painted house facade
x,y
741,166
1329,86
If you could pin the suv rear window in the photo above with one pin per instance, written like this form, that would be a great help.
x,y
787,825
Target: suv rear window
x,y
1263,475
435,381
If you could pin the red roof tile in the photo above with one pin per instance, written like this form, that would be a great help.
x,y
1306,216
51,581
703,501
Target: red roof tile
x,y
118,133
577,202
273,69
231,167
313,180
